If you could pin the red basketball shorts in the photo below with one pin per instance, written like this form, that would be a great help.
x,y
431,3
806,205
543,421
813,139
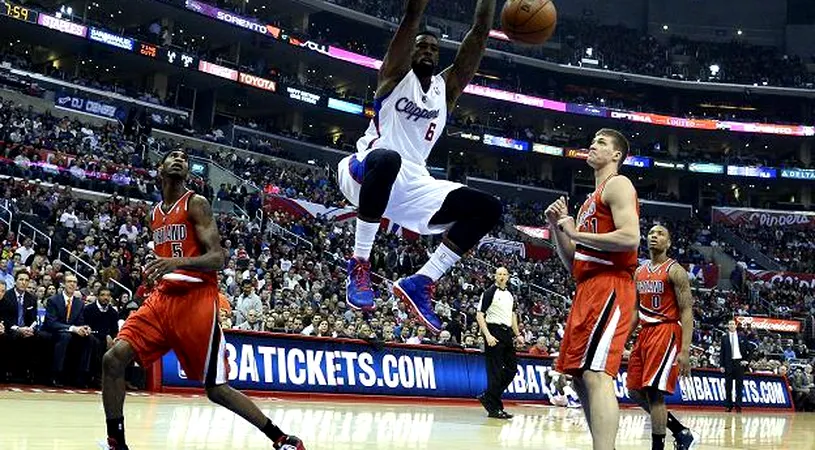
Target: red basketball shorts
x,y
653,360
185,320
598,325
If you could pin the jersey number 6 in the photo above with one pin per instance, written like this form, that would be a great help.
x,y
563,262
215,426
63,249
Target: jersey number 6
x,y
431,131
178,250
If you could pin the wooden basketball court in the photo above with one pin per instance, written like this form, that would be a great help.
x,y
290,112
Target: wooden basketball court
x,y
65,420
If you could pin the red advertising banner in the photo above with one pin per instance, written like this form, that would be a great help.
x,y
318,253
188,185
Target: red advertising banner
x,y
763,217
535,232
770,324
258,82
768,276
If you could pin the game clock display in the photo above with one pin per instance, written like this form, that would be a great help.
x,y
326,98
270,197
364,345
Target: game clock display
x,y
18,12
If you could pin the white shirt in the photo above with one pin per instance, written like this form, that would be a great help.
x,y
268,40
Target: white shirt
x,y
734,344
500,310
68,219
25,253
131,232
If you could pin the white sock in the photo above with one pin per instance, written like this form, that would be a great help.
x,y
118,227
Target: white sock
x,y
441,261
364,238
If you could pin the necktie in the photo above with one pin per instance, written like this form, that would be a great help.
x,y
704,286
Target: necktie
x,y
68,319
20,311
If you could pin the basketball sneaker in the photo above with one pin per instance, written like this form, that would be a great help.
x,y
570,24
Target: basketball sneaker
x,y
289,443
417,292
358,292
686,440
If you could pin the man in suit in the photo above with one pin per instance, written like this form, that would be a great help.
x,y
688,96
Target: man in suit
x,y
103,320
65,319
18,313
735,356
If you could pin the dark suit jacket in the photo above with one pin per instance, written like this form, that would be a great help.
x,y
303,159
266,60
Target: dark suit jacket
x,y
105,323
745,347
9,308
56,312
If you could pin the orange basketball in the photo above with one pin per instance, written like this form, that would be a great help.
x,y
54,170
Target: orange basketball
x,y
529,21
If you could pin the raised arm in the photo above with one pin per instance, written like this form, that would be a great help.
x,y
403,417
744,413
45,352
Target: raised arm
x,y
681,284
459,75
398,58
564,245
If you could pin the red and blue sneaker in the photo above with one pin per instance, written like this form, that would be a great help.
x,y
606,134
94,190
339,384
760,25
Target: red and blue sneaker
x,y
417,292
289,443
358,292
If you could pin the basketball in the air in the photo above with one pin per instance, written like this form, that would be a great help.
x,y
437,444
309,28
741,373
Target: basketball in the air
x,y
529,21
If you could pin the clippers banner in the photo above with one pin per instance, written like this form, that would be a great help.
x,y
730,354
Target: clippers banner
x,y
797,279
763,217
279,362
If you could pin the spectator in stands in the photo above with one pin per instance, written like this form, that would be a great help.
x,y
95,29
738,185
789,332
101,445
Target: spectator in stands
x,y
247,301
253,321
18,314
65,319
69,219
420,337
129,230
103,320
25,251
540,348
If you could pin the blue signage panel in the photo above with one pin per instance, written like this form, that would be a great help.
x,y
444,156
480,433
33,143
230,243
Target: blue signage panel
x,y
271,362
94,107
747,171
344,106
505,142
706,168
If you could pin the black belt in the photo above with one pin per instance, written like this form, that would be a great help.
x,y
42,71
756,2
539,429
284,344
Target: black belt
x,y
505,327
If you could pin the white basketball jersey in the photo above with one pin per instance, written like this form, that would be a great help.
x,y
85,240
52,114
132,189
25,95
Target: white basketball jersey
x,y
408,120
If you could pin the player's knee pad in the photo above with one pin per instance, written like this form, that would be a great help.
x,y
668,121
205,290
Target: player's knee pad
x,y
383,162
493,209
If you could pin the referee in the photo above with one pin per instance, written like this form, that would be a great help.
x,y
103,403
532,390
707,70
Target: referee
x,y
498,324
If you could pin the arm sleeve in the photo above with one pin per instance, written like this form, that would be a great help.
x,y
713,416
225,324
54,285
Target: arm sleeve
x,y
113,326
52,321
486,300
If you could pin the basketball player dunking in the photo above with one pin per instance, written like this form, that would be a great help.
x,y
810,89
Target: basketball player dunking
x,y
601,251
180,314
387,176
662,350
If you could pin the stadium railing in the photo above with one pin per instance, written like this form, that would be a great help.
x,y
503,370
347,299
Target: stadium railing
x,y
36,234
746,248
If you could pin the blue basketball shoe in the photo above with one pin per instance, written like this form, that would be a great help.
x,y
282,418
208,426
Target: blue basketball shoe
x,y
358,292
417,292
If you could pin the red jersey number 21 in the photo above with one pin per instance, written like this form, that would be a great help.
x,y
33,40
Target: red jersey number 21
x,y
431,131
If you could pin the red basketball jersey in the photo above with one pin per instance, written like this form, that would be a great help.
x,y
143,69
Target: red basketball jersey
x,y
657,297
174,237
596,217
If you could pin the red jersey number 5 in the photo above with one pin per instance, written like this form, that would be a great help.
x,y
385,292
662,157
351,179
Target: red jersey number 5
x,y
178,250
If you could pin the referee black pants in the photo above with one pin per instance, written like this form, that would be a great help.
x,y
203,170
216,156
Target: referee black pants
x,y
501,365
